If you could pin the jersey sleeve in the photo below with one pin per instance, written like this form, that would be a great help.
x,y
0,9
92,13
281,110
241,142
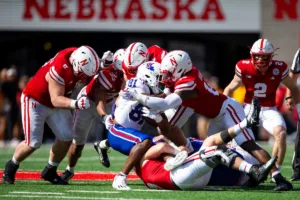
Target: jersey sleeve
x,y
185,84
238,70
139,85
295,68
285,70
58,71
105,80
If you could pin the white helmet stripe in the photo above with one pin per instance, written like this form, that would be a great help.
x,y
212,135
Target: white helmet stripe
x,y
96,58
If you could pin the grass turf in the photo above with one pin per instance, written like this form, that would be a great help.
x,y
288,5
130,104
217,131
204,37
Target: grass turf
x,y
103,190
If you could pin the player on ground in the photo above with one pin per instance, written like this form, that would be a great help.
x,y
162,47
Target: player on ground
x,y
44,100
101,93
193,94
197,170
261,76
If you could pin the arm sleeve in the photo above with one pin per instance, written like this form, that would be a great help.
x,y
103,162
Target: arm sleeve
x,y
295,68
171,101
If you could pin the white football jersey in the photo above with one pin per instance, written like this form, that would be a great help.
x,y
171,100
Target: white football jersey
x,y
129,113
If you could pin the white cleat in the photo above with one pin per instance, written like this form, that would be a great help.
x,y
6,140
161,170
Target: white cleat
x,y
120,183
175,162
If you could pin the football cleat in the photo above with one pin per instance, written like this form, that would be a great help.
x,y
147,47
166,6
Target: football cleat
x,y
175,162
253,115
282,184
50,174
295,177
103,157
260,172
67,175
120,183
9,172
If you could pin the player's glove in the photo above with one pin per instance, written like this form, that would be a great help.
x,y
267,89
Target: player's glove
x,y
152,115
81,103
130,94
107,59
108,121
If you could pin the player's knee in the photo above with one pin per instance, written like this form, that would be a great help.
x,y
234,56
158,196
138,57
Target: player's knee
x,y
35,144
77,150
65,137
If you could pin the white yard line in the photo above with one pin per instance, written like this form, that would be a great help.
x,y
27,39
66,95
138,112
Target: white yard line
x,y
68,197
27,192
92,191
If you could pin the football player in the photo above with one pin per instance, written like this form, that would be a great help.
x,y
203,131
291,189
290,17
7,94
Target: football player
x,y
44,99
101,93
261,75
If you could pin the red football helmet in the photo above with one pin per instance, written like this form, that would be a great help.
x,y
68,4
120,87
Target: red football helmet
x,y
262,53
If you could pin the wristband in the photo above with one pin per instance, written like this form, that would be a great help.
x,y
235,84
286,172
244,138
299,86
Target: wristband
x,y
73,104
286,98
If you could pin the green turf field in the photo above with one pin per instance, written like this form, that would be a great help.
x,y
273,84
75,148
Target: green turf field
x,y
103,190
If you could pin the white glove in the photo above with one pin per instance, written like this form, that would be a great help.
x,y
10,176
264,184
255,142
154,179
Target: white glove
x,y
82,103
107,59
130,94
108,121
167,91
155,115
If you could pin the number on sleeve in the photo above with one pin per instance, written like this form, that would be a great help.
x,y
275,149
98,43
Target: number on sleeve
x,y
260,90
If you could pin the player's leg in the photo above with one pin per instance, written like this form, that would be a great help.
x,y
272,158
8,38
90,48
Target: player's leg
x,y
129,142
177,118
296,157
33,119
274,123
60,123
83,120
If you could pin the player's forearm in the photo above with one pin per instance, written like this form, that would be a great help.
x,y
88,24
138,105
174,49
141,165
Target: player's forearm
x,y
62,102
101,109
156,103
228,91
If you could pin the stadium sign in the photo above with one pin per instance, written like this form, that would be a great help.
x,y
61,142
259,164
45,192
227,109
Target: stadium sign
x,y
131,15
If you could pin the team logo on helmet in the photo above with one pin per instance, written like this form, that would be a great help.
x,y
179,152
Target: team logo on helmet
x,y
276,71
173,61
150,66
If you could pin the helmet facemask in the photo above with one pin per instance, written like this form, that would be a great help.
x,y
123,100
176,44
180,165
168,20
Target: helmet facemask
x,y
262,61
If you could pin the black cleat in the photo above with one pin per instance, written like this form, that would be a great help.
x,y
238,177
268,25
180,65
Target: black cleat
x,y
50,174
260,172
295,177
9,172
67,175
282,183
103,157
253,115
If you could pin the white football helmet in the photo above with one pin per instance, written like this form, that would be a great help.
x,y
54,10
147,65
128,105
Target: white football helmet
x,y
149,71
118,58
262,53
174,65
85,60
135,55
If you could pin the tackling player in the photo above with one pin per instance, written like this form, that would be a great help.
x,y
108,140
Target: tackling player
x,y
44,99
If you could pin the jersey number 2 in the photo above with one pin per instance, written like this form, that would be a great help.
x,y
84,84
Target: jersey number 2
x,y
260,90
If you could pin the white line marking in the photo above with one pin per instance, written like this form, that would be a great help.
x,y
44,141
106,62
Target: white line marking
x,y
66,197
91,191
25,192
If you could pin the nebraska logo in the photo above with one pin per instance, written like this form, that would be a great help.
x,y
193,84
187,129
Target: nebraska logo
x,y
173,61
84,62
142,53
124,9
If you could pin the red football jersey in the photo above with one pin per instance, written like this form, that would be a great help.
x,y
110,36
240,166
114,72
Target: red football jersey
x,y
60,69
209,102
156,53
111,79
155,176
262,86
